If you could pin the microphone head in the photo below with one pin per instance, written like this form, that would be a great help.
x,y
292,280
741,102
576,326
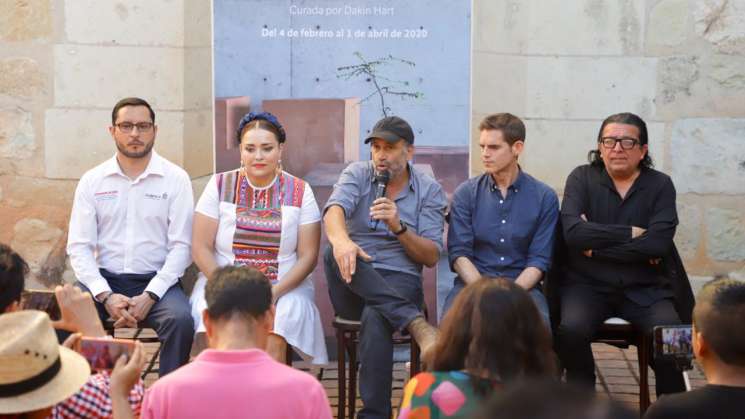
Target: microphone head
x,y
383,177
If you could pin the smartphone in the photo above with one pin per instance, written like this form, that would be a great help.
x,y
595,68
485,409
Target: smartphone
x,y
102,353
42,300
673,341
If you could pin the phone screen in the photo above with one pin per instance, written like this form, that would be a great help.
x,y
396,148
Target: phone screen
x,y
42,300
101,354
673,341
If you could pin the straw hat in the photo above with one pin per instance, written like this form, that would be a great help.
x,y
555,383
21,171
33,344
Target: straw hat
x,y
35,371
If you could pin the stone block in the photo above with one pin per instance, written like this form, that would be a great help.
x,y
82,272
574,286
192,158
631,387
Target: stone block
x,y
554,148
591,27
498,26
725,239
589,87
318,131
20,77
197,78
688,233
721,23
499,84
17,137
228,113
198,150
668,24
34,240
701,86
90,76
131,22
34,193
28,20
88,130
198,24
550,27
708,156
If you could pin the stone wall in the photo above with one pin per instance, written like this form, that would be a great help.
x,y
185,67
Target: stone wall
x,y
63,65
680,64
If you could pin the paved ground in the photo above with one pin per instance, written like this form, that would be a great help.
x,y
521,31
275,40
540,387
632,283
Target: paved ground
x,y
618,376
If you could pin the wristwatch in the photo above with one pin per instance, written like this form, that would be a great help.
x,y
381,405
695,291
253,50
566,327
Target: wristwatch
x,y
404,227
153,295
105,298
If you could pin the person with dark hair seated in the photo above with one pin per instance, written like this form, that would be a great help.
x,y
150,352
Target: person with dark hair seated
x,y
618,219
719,347
13,270
550,399
491,336
235,378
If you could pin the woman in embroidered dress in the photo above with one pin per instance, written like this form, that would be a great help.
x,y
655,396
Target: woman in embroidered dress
x,y
263,217
492,336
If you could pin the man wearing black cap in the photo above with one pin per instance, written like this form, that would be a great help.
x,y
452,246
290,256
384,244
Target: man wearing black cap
x,y
377,249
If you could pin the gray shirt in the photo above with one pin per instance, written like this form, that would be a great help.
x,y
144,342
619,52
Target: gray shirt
x,y
421,206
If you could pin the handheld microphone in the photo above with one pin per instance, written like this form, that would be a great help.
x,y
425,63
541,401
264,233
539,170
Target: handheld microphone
x,y
381,183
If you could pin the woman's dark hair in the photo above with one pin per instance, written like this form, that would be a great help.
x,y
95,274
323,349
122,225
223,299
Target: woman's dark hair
x,y
13,270
494,328
265,121
627,118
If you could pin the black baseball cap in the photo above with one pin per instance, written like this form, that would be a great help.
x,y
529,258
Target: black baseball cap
x,y
392,129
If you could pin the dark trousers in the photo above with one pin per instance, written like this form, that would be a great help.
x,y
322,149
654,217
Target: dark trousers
x,y
170,317
384,301
583,311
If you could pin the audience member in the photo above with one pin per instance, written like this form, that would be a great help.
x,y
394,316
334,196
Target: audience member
x,y
130,234
35,371
549,399
263,217
377,247
235,378
619,217
13,270
491,337
502,223
79,316
719,347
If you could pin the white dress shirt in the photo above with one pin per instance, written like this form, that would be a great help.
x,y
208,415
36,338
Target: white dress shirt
x,y
131,226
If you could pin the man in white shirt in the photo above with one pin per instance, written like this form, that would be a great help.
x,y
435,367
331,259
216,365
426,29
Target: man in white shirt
x,y
130,234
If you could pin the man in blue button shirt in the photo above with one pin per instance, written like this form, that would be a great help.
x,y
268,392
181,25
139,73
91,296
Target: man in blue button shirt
x,y
502,223
378,246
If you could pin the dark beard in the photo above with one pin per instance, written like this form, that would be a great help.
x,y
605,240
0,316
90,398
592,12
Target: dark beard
x,y
138,155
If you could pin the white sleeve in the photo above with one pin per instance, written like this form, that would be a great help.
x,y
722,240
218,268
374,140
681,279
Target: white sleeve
x,y
209,202
82,239
309,213
180,214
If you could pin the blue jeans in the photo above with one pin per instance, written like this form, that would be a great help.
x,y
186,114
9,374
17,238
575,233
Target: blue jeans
x,y
384,301
538,298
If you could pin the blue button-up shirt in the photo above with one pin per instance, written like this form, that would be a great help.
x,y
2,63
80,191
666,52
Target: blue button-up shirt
x,y
421,206
503,235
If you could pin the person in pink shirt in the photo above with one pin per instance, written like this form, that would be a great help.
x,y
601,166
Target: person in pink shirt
x,y
234,378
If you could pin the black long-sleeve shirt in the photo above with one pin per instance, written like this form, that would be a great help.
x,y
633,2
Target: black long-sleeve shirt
x,y
618,261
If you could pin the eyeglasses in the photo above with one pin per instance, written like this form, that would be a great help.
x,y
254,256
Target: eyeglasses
x,y
127,127
626,143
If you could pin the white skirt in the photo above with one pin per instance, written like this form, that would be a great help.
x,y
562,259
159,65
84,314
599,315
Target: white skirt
x,y
297,319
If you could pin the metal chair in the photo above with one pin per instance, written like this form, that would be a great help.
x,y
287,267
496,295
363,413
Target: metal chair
x,y
347,337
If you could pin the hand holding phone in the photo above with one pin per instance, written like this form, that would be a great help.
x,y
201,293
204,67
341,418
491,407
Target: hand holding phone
x,y
42,300
102,353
